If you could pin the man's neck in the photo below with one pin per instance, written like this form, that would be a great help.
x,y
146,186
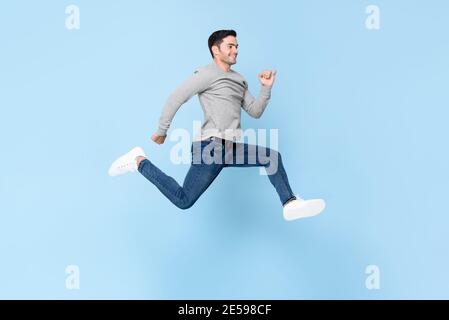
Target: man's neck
x,y
226,67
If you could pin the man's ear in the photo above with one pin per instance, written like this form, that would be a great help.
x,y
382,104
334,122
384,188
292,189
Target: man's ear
x,y
215,50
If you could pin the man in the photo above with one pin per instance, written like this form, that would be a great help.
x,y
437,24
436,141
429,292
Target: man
x,y
222,93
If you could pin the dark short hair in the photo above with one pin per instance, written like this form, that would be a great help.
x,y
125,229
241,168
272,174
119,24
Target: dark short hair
x,y
217,37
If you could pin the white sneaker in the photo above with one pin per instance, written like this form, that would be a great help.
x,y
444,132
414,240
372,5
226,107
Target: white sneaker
x,y
300,208
126,163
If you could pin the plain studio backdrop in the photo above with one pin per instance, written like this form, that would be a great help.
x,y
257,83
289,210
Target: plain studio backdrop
x,y
361,111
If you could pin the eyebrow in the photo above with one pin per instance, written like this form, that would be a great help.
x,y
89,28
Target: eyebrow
x,y
232,44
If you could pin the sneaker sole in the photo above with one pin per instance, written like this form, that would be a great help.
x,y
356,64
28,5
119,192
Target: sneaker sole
x,y
309,209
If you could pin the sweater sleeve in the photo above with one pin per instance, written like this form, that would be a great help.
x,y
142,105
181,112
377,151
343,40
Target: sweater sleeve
x,y
197,83
255,107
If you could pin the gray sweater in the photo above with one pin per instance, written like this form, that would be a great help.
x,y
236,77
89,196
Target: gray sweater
x,y
222,95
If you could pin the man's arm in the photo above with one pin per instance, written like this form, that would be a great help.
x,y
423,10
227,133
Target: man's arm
x,y
192,86
255,107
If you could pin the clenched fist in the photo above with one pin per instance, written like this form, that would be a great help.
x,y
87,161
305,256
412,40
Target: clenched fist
x,y
267,77
158,139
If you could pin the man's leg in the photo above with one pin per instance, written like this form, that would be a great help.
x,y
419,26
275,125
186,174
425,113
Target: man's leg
x,y
246,155
198,179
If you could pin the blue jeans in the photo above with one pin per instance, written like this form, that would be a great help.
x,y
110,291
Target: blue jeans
x,y
209,157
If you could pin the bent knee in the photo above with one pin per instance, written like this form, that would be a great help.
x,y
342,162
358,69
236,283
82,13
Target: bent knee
x,y
186,204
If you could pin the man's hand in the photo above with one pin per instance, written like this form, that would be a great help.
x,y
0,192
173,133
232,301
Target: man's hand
x,y
158,139
267,77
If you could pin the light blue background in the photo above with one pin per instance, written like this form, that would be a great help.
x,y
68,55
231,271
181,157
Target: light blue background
x,y
362,117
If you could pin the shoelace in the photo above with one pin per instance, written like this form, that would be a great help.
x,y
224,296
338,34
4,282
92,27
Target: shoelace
x,y
127,166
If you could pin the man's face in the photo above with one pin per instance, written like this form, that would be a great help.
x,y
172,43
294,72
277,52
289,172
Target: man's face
x,y
228,50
